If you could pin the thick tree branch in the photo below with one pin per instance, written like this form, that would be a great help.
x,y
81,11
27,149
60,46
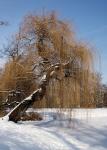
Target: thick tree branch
x,y
15,114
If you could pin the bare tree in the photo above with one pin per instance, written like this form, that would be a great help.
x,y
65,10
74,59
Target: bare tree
x,y
3,23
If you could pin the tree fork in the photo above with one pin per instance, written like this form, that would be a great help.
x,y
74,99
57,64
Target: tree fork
x,y
19,110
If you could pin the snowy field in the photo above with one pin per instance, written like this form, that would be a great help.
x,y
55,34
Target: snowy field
x,y
87,130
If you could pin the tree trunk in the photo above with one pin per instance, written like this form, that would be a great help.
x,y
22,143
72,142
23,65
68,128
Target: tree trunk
x,y
19,110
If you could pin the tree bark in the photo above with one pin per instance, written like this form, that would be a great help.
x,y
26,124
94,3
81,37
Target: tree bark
x,y
19,110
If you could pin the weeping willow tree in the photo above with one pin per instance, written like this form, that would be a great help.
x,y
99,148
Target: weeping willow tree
x,y
54,41
63,67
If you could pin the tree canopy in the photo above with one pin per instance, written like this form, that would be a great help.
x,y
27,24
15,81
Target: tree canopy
x,y
42,42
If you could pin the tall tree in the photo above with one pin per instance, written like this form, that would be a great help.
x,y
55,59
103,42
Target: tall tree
x,y
50,44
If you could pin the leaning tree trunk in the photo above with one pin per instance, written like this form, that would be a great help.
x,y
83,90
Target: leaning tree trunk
x,y
19,110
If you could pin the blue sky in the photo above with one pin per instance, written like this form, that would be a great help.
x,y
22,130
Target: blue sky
x,y
88,17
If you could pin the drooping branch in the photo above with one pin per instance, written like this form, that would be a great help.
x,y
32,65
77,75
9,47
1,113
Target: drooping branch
x,y
18,111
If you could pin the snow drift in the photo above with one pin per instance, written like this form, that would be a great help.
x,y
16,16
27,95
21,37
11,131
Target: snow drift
x,y
86,130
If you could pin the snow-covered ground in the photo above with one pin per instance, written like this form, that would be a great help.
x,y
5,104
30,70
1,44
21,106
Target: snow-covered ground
x,y
87,130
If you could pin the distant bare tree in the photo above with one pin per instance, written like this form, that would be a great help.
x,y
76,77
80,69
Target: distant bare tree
x,y
4,23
